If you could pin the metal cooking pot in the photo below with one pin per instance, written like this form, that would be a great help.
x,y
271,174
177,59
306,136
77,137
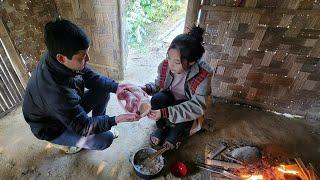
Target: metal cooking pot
x,y
139,156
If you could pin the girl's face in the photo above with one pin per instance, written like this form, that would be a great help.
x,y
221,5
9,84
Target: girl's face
x,y
174,60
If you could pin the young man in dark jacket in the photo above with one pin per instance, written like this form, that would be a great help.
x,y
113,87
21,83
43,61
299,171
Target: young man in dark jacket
x,y
56,103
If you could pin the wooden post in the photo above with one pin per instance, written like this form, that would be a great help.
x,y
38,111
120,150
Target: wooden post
x,y
192,14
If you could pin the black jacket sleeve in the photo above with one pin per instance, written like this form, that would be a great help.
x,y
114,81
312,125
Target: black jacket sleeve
x,y
93,80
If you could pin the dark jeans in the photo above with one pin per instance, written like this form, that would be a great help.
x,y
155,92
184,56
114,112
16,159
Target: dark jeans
x,y
96,101
173,133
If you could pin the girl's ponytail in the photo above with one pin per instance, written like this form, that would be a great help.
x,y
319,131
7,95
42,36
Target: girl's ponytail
x,y
189,45
197,33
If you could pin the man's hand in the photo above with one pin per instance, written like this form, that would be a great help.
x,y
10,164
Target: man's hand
x,y
129,117
154,114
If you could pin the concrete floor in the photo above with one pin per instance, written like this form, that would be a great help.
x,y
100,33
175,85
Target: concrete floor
x,y
22,156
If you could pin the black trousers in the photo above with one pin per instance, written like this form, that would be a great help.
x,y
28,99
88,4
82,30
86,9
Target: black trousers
x,y
95,100
167,131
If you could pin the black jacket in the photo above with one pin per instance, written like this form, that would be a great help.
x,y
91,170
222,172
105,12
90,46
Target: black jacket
x,y
52,100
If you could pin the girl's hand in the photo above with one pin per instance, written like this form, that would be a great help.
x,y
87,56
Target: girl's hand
x,y
154,114
143,87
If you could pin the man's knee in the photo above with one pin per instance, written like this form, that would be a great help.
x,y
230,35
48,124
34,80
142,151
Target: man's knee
x,y
103,94
102,97
155,102
104,146
105,141
107,97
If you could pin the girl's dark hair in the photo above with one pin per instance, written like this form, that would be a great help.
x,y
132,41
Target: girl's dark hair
x,y
189,45
63,37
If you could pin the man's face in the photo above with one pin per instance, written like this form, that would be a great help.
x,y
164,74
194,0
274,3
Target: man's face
x,y
77,62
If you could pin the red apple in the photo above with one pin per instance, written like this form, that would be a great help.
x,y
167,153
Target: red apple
x,y
179,169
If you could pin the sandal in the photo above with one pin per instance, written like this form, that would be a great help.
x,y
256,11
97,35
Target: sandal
x,y
67,149
160,134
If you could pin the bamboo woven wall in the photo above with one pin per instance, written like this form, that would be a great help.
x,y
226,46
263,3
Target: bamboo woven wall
x,y
25,22
265,52
101,19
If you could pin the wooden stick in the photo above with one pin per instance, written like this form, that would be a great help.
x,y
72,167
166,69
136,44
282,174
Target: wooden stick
x,y
214,169
231,158
224,164
207,151
158,153
217,151
302,167
313,173
146,162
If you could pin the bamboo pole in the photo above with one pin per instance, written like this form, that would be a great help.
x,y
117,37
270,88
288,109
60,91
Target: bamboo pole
x,y
192,14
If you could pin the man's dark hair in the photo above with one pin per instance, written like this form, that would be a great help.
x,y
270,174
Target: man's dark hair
x,y
189,45
63,37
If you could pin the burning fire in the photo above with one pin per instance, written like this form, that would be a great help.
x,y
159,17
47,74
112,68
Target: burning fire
x,y
288,169
252,177
276,173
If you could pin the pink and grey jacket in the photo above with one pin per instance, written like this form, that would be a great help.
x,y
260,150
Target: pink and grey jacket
x,y
197,90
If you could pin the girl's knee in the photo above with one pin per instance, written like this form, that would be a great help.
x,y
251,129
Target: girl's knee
x,y
158,102
155,102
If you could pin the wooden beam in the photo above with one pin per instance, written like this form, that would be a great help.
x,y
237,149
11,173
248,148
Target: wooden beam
x,y
311,12
192,14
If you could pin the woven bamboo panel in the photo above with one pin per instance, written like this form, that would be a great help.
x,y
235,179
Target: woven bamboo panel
x,y
101,20
25,22
265,53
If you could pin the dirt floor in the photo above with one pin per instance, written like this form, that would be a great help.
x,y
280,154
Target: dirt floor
x,y
22,156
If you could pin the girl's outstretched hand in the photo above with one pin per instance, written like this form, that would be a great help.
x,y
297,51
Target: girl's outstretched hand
x,y
154,114
143,87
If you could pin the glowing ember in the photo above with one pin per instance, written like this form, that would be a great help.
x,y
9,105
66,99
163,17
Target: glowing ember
x,y
289,169
275,172
253,177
